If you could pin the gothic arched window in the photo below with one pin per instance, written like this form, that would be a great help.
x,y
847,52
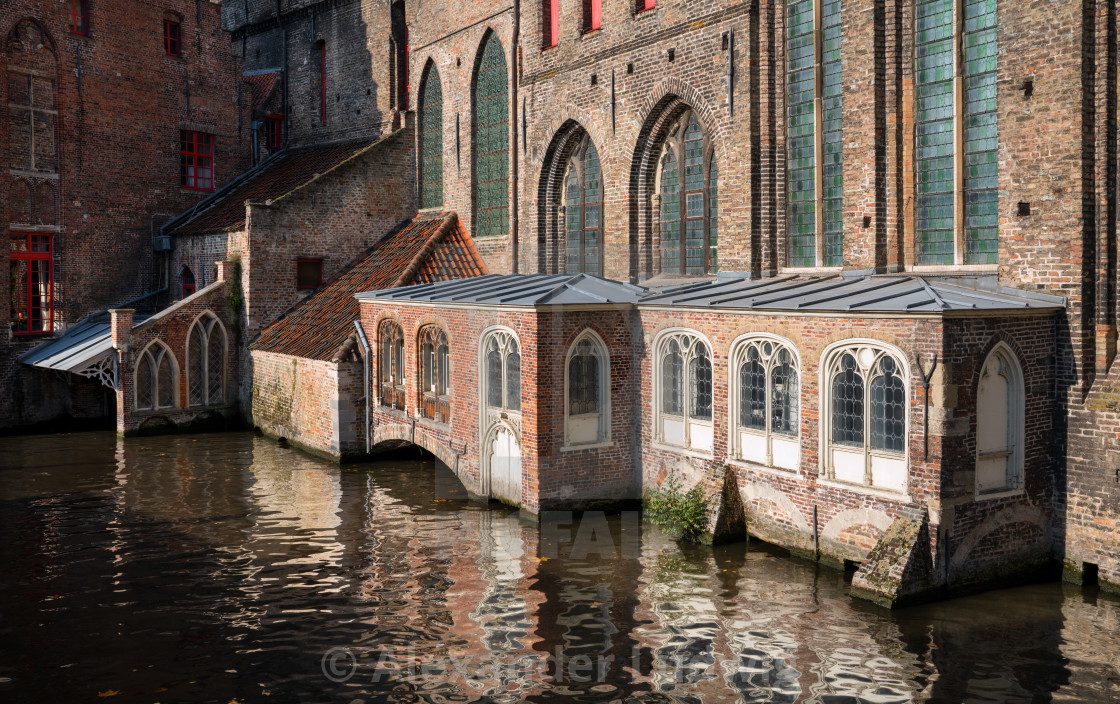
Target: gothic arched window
x,y
502,380
684,387
688,208
206,362
1000,410
155,379
587,416
766,385
431,140
583,210
435,374
490,141
390,340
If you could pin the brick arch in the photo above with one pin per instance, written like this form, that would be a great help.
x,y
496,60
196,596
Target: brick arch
x,y
998,338
16,38
851,518
1032,515
19,201
407,433
665,103
757,491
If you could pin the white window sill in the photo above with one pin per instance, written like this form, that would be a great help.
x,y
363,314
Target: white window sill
x,y
811,269
1004,494
868,490
754,466
699,454
587,446
953,268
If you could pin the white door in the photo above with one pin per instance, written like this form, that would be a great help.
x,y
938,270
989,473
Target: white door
x,y
505,468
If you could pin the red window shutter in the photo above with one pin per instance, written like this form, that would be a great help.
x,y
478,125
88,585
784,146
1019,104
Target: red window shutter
x,y
592,14
550,21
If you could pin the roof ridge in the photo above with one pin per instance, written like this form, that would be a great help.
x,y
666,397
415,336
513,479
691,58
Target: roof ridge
x,y
426,250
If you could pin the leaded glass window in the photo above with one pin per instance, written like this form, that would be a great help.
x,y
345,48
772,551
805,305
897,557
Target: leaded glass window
x,y
435,401
431,140
490,141
943,37
768,399
588,393
814,70
502,387
583,210
155,379
687,189
685,390
391,372
584,369
752,391
867,416
206,360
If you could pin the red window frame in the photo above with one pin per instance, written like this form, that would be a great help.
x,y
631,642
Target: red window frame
x,y
188,282
196,161
592,15
32,248
172,38
550,23
79,17
644,5
274,132
319,279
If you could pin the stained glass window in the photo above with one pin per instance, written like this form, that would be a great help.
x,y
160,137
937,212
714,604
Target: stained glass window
x,y
672,380
490,142
933,151
687,180
685,387
832,136
800,137
752,391
981,144
847,404
888,409
584,368
431,141
768,382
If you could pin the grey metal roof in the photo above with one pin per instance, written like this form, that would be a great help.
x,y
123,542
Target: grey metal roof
x,y
78,347
857,294
523,290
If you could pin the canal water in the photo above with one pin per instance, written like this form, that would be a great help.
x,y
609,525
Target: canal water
x,y
219,568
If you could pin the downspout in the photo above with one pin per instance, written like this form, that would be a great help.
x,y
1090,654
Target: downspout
x,y
515,48
365,373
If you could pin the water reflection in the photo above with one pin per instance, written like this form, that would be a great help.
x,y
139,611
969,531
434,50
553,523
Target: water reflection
x,y
218,568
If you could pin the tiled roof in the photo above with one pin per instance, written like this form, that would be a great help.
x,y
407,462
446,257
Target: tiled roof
x,y
523,290
288,170
429,248
260,87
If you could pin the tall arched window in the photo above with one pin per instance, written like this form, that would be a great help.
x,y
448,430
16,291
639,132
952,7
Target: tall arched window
x,y
866,419
490,141
583,210
431,140
684,389
206,362
1000,409
502,361
766,394
398,49
390,339
155,379
435,374
814,137
587,401
687,175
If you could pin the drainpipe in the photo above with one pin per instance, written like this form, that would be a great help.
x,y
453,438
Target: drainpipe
x,y
514,47
365,373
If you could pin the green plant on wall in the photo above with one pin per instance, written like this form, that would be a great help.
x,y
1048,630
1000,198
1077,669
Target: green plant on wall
x,y
682,514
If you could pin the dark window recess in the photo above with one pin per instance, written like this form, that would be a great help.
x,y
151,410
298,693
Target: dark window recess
x,y
309,274
1024,208
672,54
629,68
1028,88
188,282
172,45
594,79
274,132
592,15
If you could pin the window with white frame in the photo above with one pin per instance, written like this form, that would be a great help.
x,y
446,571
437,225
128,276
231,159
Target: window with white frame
x,y
684,388
999,423
765,401
155,379
865,423
587,401
502,359
206,362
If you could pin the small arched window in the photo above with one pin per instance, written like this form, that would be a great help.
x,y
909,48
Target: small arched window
x,y
435,376
685,391
155,379
687,180
391,365
502,361
431,140
206,362
768,394
187,279
587,417
866,420
583,210
1000,411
